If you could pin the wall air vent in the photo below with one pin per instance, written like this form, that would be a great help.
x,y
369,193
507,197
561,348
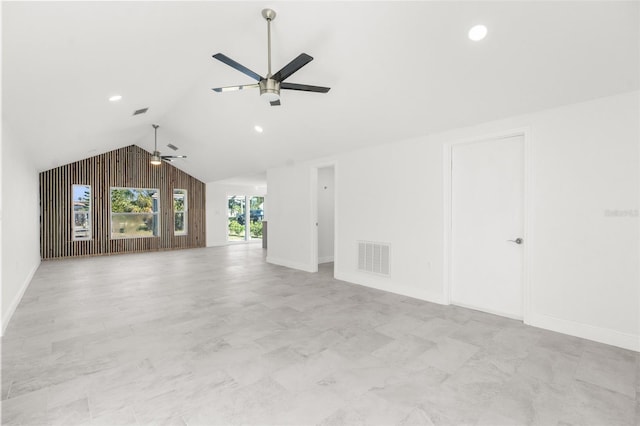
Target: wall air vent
x,y
140,111
374,257
172,146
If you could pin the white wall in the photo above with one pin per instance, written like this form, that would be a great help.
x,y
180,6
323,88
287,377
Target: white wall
x,y
326,189
20,223
217,205
292,217
583,264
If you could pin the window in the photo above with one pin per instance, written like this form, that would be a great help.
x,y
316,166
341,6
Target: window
x,y
135,213
81,212
180,211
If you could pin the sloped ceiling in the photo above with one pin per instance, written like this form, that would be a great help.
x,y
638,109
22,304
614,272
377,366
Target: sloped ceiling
x,y
396,69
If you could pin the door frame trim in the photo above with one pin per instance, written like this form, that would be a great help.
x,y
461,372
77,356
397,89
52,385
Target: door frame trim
x,y
526,133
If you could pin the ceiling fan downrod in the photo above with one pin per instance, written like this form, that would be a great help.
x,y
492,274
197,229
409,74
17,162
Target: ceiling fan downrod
x,y
269,15
269,88
156,160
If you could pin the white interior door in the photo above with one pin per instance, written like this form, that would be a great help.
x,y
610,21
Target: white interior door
x,y
487,195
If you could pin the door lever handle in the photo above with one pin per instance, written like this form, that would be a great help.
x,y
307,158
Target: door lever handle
x,y
517,241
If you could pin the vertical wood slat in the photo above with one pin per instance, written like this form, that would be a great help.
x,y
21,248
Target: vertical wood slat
x,y
125,167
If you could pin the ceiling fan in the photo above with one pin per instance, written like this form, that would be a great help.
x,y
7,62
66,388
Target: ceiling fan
x,y
271,85
156,158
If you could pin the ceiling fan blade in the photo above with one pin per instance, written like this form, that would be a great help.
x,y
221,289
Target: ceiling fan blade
x,y
233,64
304,87
234,88
275,103
171,157
293,66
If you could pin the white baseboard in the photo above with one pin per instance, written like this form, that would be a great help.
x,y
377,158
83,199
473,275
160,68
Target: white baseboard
x,y
488,311
385,284
586,331
325,259
6,316
292,265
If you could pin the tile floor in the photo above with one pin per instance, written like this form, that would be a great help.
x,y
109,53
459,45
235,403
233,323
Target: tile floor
x,y
218,336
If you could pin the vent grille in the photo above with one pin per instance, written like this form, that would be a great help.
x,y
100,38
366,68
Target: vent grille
x,y
140,111
172,146
374,257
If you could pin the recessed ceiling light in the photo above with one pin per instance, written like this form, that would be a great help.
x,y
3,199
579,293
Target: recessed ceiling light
x,y
115,98
258,129
478,32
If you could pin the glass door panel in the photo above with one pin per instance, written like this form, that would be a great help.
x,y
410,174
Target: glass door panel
x,y
237,217
256,214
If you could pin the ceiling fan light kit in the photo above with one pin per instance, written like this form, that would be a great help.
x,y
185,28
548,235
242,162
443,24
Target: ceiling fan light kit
x,y
270,85
155,159
270,89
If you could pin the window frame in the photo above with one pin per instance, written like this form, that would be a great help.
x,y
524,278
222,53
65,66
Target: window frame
x,y
87,213
113,235
185,211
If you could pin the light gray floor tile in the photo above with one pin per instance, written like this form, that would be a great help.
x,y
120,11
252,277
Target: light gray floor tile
x,y
360,343
304,375
403,350
435,327
368,409
30,408
410,388
587,404
350,383
218,336
445,353
476,333
610,371
505,359
73,413
549,366
526,401
400,325
318,343
122,417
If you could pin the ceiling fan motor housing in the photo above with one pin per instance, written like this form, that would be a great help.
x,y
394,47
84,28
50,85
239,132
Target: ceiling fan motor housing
x,y
156,159
270,88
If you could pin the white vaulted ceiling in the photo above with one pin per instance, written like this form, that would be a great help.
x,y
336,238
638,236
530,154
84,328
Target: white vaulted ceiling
x,y
396,70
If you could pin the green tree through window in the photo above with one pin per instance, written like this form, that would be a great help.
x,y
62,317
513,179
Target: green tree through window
x,y
134,212
180,211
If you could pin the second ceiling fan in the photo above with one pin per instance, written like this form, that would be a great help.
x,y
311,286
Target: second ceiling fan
x,y
156,158
271,85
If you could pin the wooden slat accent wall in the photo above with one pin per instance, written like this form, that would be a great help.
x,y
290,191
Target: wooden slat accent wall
x,y
125,167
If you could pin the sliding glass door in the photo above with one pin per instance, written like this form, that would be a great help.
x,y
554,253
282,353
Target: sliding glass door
x,y
244,223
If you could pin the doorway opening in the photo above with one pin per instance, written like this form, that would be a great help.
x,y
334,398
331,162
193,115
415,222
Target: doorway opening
x,y
326,219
